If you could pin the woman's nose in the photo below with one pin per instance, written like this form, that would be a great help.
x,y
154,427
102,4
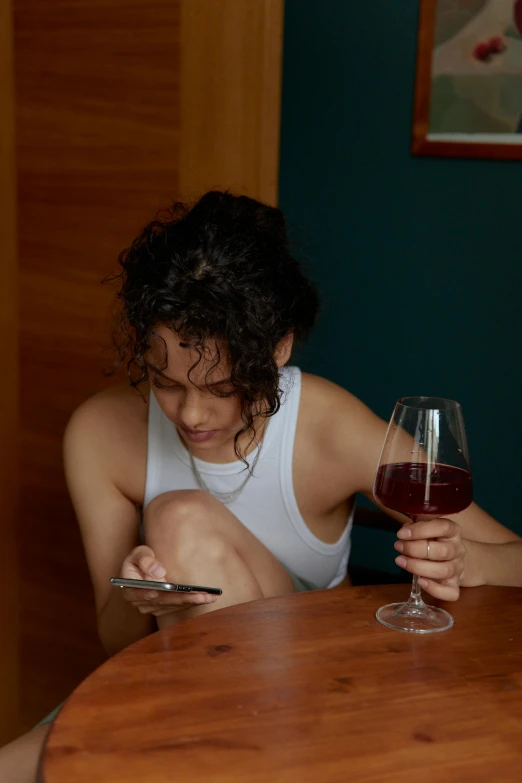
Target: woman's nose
x,y
192,412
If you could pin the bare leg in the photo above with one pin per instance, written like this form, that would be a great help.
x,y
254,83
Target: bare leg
x,y
19,759
199,540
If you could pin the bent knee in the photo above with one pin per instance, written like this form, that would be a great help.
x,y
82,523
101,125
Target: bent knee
x,y
194,545
170,508
181,520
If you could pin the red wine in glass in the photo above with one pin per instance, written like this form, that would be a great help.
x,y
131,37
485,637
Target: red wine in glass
x,y
423,473
402,487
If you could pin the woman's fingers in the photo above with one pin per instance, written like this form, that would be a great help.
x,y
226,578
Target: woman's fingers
x,y
439,550
176,599
141,597
167,602
448,590
151,568
438,567
141,563
430,569
435,528
136,595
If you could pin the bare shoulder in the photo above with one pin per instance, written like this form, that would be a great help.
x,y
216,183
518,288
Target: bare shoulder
x,y
119,412
322,400
322,392
340,428
110,429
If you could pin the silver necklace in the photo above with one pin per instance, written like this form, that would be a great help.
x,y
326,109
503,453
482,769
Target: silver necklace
x,y
225,497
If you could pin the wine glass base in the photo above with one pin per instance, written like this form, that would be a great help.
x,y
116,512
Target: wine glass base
x,y
414,619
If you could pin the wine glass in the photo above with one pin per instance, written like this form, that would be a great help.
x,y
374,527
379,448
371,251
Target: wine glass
x,y
423,473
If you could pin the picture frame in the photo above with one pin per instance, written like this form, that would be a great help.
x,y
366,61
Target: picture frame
x,y
468,88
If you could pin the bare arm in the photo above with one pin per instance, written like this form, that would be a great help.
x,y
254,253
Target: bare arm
x,y
492,553
107,519
493,564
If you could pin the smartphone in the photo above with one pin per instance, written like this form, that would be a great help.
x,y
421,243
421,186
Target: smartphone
x,y
166,587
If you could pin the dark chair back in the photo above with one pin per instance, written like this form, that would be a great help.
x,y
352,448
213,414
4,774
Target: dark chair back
x,y
366,575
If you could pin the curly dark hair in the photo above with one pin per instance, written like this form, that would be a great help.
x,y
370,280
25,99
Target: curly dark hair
x,y
219,270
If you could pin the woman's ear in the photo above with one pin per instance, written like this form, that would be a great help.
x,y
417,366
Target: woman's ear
x,y
284,349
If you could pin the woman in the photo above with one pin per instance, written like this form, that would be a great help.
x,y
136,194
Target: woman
x,y
246,469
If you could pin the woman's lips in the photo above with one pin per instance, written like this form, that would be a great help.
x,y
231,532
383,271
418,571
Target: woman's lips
x,y
197,436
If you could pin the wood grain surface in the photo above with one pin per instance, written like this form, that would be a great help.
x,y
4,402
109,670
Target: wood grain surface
x,y
9,324
302,689
107,134
230,96
97,92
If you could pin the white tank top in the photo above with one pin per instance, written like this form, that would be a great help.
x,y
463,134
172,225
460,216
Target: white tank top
x,y
267,505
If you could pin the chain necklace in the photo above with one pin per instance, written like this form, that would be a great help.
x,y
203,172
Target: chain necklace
x,y
224,497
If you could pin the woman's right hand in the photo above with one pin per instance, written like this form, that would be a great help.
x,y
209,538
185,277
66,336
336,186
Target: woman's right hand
x,y
141,563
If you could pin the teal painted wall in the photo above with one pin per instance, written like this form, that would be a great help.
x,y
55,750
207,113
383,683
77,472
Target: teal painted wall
x,y
418,260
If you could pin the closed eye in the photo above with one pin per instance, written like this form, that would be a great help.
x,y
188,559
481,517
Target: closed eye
x,y
160,385
220,389
223,392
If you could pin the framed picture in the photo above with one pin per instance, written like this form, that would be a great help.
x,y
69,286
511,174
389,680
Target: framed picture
x,y
468,93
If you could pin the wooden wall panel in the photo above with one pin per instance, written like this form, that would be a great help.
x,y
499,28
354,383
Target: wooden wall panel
x,y
98,132
230,96
107,134
8,391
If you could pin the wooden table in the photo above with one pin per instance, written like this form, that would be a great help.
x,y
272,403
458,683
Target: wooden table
x,y
307,689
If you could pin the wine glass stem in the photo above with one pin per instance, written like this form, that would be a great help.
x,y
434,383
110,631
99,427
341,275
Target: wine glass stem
x,y
415,598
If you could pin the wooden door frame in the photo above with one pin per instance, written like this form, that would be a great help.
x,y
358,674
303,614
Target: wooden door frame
x,y
9,435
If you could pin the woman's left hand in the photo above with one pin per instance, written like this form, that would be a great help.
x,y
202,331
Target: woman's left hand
x,y
439,574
